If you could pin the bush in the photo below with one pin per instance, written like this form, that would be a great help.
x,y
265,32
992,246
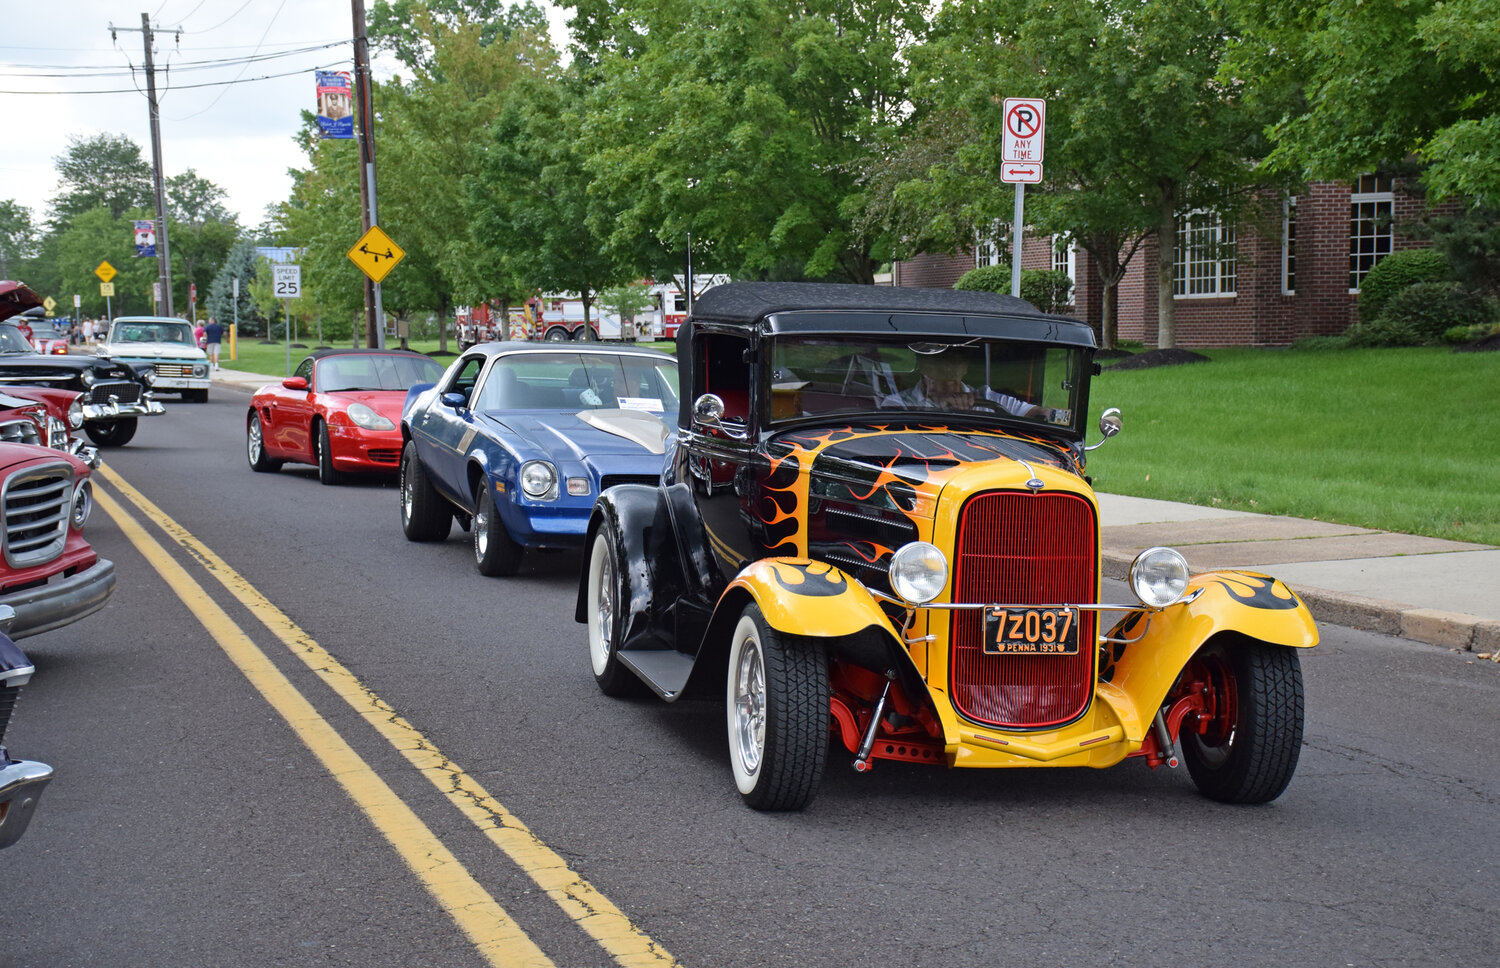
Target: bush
x,y
1047,290
994,278
1395,273
1421,314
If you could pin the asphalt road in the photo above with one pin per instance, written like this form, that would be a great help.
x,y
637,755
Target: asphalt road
x,y
202,817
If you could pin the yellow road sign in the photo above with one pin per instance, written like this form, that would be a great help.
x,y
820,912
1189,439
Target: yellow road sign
x,y
50,304
105,272
376,254
106,289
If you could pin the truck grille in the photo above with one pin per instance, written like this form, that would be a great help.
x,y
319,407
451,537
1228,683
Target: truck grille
x,y
1025,549
36,504
20,432
173,370
124,391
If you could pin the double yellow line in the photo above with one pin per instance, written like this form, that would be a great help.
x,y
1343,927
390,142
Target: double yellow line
x,y
493,932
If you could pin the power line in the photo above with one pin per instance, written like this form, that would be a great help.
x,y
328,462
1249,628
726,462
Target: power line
x,y
187,87
197,65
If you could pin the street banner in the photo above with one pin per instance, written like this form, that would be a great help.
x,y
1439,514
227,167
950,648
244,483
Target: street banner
x,y
145,238
335,104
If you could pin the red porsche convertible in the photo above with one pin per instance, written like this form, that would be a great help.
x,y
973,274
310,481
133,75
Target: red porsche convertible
x,y
339,410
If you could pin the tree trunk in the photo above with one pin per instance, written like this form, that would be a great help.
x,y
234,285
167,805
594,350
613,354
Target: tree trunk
x,y
588,301
1166,261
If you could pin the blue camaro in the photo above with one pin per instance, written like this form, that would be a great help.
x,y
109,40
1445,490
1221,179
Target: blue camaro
x,y
518,439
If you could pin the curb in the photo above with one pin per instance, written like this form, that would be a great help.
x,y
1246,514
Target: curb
x,y
1449,630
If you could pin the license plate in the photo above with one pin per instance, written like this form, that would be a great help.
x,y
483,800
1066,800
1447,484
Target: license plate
x,y
1031,631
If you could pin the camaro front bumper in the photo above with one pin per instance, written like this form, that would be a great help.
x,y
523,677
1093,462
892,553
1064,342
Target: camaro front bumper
x,y
21,785
59,602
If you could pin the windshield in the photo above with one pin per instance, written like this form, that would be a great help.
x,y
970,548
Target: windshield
x,y
581,381
152,332
821,375
377,371
12,341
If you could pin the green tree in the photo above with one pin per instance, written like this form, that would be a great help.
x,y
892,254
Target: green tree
x,y
322,218
530,203
1141,129
18,236
1381,80
103,169
94,236
200,231
412,29
747,124
240,263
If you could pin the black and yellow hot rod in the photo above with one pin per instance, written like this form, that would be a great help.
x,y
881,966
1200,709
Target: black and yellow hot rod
x,y
874,522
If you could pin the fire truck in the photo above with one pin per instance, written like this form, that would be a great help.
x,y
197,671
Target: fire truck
x,y
560,316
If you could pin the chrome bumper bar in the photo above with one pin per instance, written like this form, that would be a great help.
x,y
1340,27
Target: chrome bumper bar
x,y
114,409
21,785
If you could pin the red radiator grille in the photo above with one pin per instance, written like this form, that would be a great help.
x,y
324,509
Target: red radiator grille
x,y
1027,549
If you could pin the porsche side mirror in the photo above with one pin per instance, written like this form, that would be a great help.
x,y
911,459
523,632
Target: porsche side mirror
x,y
295,383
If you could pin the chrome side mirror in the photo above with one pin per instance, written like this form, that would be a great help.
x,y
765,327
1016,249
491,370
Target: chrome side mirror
x,y
708,410
1109,425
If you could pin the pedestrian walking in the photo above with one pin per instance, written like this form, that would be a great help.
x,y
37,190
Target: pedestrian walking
x,y
198,336
213,335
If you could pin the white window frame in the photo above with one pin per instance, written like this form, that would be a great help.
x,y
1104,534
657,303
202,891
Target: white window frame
x,y
1065,258
1205,265
1289,246
987,248
1372,211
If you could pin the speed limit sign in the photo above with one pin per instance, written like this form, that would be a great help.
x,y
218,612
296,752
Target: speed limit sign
x,y
287,281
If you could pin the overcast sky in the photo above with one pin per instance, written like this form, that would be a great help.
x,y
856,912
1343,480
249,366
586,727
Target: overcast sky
x,y
238,136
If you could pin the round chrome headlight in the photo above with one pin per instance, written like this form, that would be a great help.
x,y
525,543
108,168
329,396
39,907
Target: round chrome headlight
x,y
87,376
538,478
1159,576
83,502
75,414
919,572
149,376
200,369
367,418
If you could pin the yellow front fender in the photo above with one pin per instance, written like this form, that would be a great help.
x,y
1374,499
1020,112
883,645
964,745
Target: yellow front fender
x,y
803,597
1254,605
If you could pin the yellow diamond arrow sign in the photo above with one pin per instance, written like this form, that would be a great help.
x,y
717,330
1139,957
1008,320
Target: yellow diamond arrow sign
x,y
376,254
105,272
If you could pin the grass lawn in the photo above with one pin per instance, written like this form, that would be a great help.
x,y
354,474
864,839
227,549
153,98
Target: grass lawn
x,y
256,357
1398,439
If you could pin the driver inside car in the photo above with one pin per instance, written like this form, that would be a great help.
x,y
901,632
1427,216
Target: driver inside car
x,y
940,386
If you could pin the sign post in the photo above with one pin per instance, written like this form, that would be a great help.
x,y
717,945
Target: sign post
x,y
106,272
235,328
287,281
1021,163
376,255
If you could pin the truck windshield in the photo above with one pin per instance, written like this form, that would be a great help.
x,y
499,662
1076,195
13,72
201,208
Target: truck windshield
x,y
825,375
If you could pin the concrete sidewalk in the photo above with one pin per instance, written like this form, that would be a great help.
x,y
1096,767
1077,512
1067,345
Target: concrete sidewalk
x,y
1443,593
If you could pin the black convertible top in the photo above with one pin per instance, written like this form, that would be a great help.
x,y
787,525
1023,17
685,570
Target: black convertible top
x,y
747,302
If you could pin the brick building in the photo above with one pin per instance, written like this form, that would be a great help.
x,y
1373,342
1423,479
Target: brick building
x,y
1246,285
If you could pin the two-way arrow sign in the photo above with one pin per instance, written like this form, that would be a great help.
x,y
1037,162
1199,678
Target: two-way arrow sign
x,y
1024,174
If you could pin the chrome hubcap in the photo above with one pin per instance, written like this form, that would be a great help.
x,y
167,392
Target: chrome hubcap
x,y
481,534
406,493
254,438
750,706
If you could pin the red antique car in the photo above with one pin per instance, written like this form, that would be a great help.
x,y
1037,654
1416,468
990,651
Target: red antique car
x,y
340,410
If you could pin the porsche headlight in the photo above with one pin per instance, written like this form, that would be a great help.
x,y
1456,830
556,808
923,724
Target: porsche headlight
x,y
918,572
1159,576
538,479
367,418
87,376
75,414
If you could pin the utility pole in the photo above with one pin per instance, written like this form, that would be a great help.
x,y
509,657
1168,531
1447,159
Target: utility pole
x,y
365,121
163,250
